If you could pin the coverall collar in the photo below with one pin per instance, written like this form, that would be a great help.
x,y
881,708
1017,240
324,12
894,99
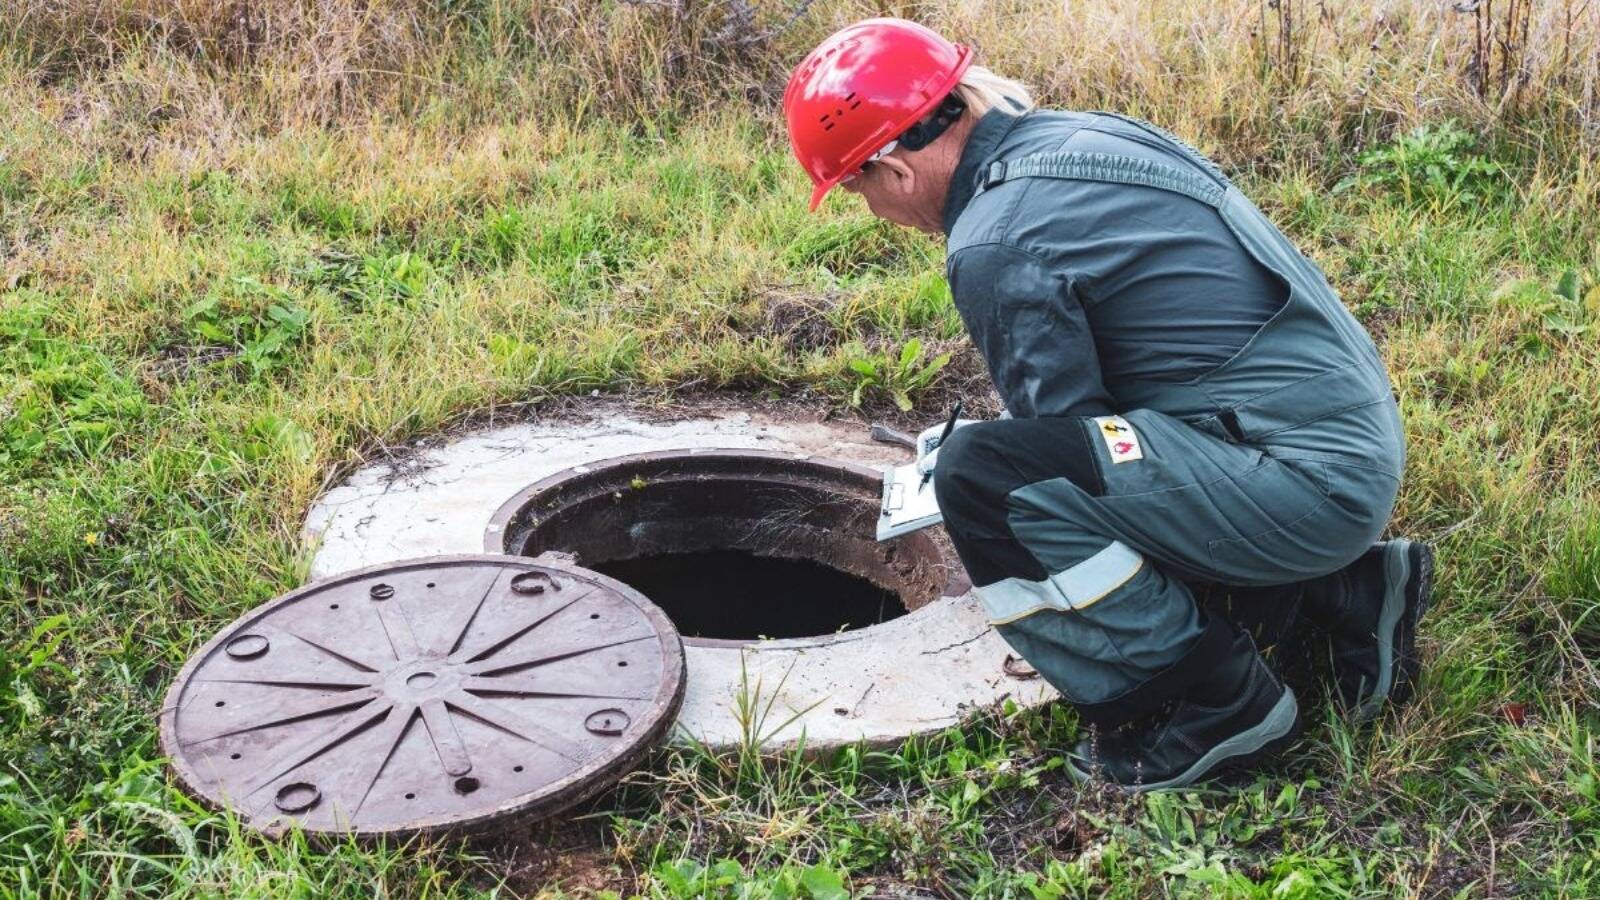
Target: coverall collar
x,y
982,146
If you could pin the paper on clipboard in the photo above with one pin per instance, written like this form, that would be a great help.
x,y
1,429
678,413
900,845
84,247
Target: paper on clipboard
x,y
908,504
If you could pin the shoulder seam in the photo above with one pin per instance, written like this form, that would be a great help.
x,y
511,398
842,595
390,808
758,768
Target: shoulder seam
x,y
1067,276
1004,217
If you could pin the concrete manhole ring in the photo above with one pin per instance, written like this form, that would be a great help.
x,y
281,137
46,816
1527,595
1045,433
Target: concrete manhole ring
x,y
915,669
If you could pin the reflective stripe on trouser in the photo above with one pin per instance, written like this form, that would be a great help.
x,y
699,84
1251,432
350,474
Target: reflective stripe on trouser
x,y
1080,586
1081,560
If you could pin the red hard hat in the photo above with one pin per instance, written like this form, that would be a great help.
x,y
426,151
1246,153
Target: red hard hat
x,y
860,89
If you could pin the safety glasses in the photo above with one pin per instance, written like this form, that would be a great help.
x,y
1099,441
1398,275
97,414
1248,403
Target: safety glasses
x,y
887,149
919,135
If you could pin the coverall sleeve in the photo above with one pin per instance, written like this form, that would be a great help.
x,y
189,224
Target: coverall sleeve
x,y
1031,328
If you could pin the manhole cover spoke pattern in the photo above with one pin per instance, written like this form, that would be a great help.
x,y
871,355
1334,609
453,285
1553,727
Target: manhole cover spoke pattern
x,y
441,694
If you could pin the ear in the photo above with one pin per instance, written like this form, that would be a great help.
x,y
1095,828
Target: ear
x,y
897,177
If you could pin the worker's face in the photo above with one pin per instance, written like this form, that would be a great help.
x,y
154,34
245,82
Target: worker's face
x,y
895,190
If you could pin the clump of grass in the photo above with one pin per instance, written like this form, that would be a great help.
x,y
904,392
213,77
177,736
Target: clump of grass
x,y
300,61
1573,579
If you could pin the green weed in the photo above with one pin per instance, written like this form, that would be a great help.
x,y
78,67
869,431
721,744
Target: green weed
x,y
61,402
725,879
32,656
1438,164
897,375
262,323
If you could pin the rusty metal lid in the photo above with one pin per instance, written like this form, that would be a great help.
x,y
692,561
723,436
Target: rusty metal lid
x,y
435,695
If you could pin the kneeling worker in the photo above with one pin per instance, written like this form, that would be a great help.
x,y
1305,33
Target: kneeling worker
x,y
1190,405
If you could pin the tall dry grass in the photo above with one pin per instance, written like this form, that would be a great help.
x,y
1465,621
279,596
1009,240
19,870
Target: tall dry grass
x,y
1287,78
301,60
290,62
1254,79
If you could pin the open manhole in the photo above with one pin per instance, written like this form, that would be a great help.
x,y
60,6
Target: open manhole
x,y
734,545
445,694
915,674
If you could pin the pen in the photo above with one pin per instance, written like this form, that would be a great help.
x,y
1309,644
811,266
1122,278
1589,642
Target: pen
x,y
955,413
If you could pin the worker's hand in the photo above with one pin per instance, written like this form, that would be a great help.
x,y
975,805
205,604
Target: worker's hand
x,y
928,445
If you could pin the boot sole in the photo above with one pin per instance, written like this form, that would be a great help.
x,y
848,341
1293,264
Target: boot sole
x,y
1405,564
1273,732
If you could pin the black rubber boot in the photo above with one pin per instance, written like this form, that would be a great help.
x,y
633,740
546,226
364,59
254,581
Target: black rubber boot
x,y
1238,713
1370,611
1272,617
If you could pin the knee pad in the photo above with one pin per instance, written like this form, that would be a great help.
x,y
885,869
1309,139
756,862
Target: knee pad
x,y
980,465
965,479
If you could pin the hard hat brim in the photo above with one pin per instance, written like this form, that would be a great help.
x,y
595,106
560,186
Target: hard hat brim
x,y
820,191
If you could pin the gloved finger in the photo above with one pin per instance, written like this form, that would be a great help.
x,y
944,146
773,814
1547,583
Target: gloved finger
x,y
928,439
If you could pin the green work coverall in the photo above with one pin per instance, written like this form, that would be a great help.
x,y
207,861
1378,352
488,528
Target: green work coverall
x,y
1191,404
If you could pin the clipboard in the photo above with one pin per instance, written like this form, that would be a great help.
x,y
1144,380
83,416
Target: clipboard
x,y
908,504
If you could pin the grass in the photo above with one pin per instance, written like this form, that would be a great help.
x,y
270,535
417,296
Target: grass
x,y
239,258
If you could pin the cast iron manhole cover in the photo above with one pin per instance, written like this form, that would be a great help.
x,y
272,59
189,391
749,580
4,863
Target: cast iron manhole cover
x,y
450,693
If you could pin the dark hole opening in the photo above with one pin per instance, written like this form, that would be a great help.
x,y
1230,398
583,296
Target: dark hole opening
x,y
733,545
734,594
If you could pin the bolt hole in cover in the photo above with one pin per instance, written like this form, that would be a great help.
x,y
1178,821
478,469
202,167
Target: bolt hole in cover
x,y
405,711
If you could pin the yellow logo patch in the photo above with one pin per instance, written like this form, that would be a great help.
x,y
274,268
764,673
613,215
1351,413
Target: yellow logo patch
x,y
1122,442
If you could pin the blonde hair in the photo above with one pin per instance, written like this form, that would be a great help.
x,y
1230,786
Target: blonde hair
x,y
983,90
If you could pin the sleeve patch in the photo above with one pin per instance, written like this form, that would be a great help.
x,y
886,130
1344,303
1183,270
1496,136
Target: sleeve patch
x,y
1122,442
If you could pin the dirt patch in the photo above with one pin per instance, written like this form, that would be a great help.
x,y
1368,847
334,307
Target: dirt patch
x,y
567,855
177,362
802,324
